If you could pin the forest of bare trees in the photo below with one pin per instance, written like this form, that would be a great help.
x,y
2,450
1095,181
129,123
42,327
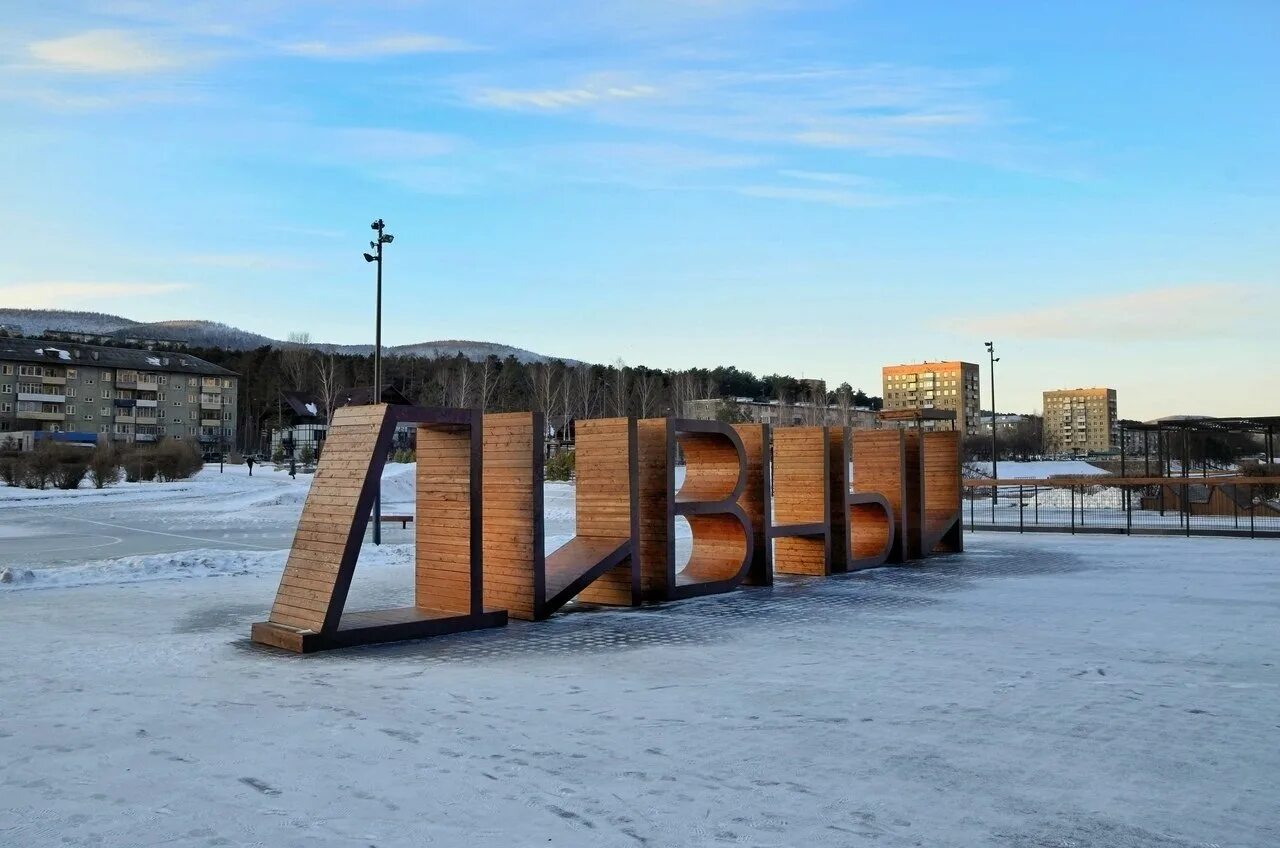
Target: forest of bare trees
x,y
561,390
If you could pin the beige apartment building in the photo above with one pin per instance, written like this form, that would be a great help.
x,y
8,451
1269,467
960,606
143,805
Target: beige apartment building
x,y
951,386
120,394
1080,421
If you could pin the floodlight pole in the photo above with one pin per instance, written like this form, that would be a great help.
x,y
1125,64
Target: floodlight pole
x,y
995,468
383,238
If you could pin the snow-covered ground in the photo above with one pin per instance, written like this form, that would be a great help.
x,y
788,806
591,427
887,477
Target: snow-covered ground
x,y
1034,691
216,523
1034,470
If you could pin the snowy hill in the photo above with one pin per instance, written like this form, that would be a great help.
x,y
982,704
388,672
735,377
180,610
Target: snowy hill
x,y
32,322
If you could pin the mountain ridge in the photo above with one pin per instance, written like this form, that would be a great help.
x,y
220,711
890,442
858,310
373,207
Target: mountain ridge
x,y
200,333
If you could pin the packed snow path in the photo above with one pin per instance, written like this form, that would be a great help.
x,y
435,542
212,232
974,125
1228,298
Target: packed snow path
x,y
1035,691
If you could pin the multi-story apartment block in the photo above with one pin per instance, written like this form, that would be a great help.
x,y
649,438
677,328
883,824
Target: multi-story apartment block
x,y
120,394
949,386
783,414
1081,421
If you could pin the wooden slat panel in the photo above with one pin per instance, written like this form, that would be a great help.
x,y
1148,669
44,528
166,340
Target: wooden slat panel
x,y
879,459
443,563
603,490
512,543
328,515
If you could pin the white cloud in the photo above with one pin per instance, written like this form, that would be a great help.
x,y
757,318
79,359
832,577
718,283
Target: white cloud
x,y
395,45
830,196
106,51
586,94
48,294
1169,313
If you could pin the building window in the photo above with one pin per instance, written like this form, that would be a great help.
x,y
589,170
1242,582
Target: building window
x,y
106,376
6,389
106,410
194,415
6,407
160,396
71,373
106,394
6,369
71,409
88,416
71,391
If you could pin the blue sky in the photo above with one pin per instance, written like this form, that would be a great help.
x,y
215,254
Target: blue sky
x,y
813,188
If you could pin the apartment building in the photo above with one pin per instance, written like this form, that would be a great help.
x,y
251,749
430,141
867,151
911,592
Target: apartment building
x,y
949,386
1080,421
119,394
781,414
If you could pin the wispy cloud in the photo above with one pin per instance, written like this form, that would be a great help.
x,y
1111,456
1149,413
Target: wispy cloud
x,y
830,196
407,44
585,94
107,51
880,109
57,293
1168,313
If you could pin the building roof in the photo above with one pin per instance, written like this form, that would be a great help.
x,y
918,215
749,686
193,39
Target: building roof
x,y
948,364
309,404
72,354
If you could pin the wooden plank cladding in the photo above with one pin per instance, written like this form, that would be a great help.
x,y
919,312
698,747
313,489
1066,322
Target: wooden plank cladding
x,y
716,476
800,524
754,499
514,562
798,500
940,476
309,614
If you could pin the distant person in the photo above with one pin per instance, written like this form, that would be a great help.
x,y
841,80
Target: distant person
x,y
293,467
249,462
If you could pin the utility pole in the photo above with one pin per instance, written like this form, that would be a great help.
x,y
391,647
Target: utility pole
x,y
376,246
995,468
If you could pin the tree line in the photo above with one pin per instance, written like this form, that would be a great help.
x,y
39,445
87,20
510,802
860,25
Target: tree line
x,y
559,389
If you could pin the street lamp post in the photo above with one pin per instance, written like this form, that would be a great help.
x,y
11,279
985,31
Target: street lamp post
x,y
995,468
376,257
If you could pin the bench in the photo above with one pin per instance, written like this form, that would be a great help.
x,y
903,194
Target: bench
x,y
402,520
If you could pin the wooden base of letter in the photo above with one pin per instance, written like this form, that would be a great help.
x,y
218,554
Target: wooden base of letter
x,y
309,611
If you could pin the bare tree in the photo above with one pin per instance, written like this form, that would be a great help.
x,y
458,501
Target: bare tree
x,y
588,390
546,386
649,393
295,361
488,381
844,402
620,397
327,382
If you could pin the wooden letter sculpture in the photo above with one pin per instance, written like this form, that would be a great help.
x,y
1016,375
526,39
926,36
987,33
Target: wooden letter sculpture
x,y
940,477
875,524
309,611
755,500
715,480
800,526
600,559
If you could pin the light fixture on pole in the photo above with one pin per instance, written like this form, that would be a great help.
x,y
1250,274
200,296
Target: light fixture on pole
x,y
376,256
995,468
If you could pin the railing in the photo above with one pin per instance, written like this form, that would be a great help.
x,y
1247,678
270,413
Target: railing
x,y
1190,506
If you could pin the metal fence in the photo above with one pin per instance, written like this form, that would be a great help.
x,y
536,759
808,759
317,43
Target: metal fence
x,y
1190,506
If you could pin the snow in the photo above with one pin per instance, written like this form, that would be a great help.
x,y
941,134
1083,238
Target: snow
x,y
1032,691
311,409
153,360
53,351
1038,470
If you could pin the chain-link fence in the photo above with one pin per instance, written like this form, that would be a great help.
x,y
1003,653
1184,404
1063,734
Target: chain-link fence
x,y
1212,506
